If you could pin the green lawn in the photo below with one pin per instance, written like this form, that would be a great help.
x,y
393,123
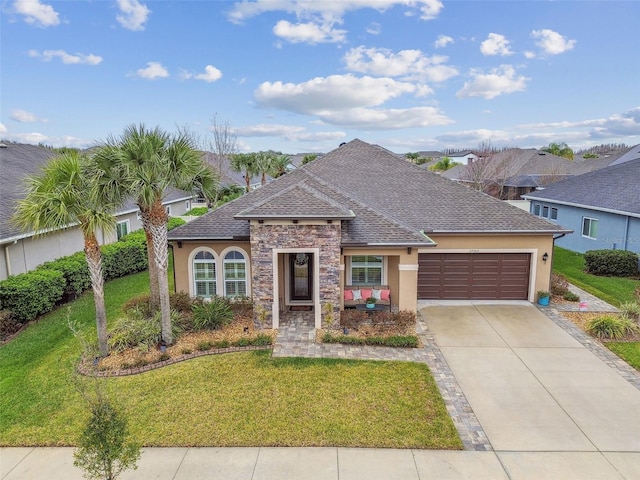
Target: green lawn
x,y
241,399
613,290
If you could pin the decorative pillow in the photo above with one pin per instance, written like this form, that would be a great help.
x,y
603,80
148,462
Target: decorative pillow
x,y
376,294
366,293
384,294
357,294
348,294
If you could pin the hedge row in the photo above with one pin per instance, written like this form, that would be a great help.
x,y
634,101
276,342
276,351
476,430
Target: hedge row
x,y
614,263
33,293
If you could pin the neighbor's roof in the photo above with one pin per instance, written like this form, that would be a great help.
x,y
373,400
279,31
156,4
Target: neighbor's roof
x,y
394,202
614,188
17,161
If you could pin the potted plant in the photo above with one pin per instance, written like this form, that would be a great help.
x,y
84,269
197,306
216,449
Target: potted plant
x,y
543,297
371,302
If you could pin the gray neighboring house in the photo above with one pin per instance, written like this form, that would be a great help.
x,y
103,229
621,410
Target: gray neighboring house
x,y
362,216
602,207
23,251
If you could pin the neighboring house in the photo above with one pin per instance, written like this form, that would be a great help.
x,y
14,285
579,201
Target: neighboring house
x,y
361,215
601,207
463,158
511,173
23,251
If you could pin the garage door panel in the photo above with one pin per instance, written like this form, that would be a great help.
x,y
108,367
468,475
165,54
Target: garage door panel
x,y
458,276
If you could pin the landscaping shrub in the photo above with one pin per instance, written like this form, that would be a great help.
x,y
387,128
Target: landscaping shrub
x,y
613,263
75,270
174,222
571,297
398,341
630,310
31,294
136,329
222,344
140,304
242,306
180,302
204,345
350,318
211,315
262,339
559,284
196,212
607,327
8,324
123,258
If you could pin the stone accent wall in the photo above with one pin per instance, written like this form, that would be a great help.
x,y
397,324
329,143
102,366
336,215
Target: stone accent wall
x,y
265,237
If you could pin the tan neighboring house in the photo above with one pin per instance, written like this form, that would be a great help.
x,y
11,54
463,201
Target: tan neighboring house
x,y
24,251
361,215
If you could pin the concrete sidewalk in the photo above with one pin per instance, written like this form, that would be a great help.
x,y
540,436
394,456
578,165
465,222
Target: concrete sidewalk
x,y
331,464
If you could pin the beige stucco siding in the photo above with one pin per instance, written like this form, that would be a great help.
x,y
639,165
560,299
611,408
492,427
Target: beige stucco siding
x,y
536,245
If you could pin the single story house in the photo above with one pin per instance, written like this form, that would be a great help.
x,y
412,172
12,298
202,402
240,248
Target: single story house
x,y
23,251
601,207
362,216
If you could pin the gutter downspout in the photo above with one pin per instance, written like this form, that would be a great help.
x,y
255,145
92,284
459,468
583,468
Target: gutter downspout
x,y
626,233
7,260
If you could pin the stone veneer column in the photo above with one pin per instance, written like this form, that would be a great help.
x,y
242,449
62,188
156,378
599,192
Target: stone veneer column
x,y
266,237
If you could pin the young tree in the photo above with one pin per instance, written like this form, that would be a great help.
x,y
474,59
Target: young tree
x,y
559,149
443,165
60,196
144,164
224,144
310,157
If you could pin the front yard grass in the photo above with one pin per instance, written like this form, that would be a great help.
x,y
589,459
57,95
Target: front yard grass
x,y
239,399
613,290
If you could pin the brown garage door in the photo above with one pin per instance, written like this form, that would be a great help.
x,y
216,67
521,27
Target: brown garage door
x,y
490,276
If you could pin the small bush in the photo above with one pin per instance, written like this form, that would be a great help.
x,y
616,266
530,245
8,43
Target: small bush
x,y
75,270
571,297
123,258
242,306
559,284
352,319
398,341
196,212
241,342
204,345
136,329
607,327
222,344
8,324
211,315
31,294
614,263
630,310
185,351
174,222
262,339
141,304
180,302
164,356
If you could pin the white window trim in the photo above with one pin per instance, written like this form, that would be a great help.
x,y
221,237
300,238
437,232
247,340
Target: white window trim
x,y
551,217
247,260
385,267
123,222
192,279
168,209
591,219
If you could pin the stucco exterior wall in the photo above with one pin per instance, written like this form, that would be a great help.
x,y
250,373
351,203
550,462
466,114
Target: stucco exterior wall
x,y
536,245
182,261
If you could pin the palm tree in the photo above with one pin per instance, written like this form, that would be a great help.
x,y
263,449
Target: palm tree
x,y
60,197
310,157
279,165
264,164
144,164
244,163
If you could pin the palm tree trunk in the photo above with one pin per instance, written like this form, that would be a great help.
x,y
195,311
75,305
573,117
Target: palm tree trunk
x,y
94,261
158,228
154,286
247,180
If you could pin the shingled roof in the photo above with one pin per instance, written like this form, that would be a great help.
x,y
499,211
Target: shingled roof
x,y
613,188
393,202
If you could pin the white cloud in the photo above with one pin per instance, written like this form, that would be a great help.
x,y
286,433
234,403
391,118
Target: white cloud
x,y
311,33
154,70
335,92
408,64
347,100
210,75
3,129
623,125
374,28
529,54
37,13
443,41
24,117
552,43
133,14
495,44
498,81
67,58
287,132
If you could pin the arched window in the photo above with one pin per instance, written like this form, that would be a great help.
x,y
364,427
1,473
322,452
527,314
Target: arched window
x,y
235,274
204,274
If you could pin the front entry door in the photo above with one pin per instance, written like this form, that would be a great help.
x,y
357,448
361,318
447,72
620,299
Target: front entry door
x,y
301,276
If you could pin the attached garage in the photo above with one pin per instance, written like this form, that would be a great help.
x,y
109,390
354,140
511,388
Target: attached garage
x,y
474,276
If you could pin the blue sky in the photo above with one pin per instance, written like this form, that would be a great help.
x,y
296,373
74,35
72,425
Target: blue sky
x,y
306,75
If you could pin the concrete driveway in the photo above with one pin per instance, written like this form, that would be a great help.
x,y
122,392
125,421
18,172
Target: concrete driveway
x,y
532,386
